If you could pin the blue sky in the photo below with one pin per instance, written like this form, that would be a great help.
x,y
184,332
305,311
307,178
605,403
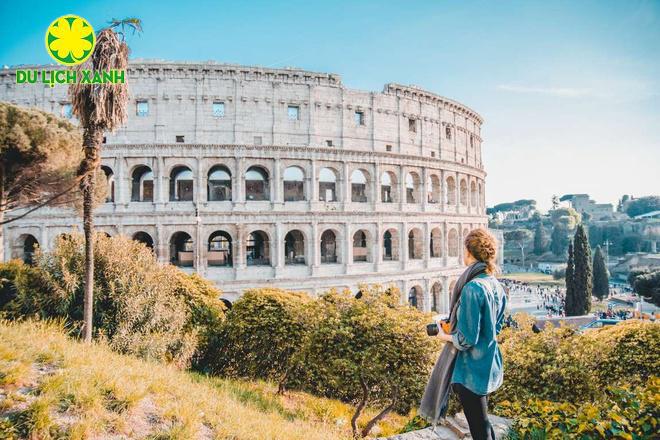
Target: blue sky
x,y
570,90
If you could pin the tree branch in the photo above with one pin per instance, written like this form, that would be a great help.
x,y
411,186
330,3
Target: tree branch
x,y
383,413
360,406
39,205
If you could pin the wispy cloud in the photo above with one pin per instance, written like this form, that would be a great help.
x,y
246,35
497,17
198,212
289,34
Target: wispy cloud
x,y
567,92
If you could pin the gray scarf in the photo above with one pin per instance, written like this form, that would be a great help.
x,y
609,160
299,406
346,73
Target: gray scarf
x,y
436,395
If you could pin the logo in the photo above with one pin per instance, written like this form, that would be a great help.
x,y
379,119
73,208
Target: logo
x,y
70,40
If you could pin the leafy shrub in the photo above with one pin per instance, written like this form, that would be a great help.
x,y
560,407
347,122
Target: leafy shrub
x,y
370,351
622,413
263,334
140,306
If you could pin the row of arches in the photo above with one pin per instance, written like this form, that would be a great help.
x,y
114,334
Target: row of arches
x,y
221,247
257,182
437,302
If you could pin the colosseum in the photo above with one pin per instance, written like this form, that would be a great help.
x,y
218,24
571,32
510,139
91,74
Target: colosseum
x,y
255,176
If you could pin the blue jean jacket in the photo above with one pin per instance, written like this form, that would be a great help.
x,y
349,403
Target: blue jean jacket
x,y
479,319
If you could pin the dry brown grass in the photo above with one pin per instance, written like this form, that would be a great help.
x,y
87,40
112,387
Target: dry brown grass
x,y
53,387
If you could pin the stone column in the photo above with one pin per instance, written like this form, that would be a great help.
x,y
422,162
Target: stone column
x,y
445,243
402,188
198,195
238,252
460,244
44,244
348,247
457,189
404,246
159,180
427,245
276,183
120,182
346,185
314,248
313,183
161,245
378,243
425,189
443,192
428,295
279,249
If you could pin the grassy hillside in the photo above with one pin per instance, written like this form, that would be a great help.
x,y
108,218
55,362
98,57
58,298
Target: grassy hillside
x,y
54,387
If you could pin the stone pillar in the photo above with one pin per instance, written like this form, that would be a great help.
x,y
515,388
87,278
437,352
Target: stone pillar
x,y
428,295
238,251
44,244
202,178
314,248
120,181
197,175
376,191
279,248
446,295
198,247
457,188
426,254
445,243
404,246
461,252
160,181
378,243
313,183
348,247
402,188
238,181
161,245
425,189
443,192
276,182
346,186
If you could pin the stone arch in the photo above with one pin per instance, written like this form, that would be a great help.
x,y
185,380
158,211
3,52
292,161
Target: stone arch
x,y
436,242
294,247
144,238
293,182
110,179
257,248
434,189
415,244
412,187
24,248
182,249
219,184
450,191
142,184
182,184
360,186
436,296
257,183
388,187
328,178
220,249
416,297
391,241
463,192
362,246
328,246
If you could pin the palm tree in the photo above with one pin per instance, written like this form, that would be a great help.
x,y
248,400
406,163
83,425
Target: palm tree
x,y
99,108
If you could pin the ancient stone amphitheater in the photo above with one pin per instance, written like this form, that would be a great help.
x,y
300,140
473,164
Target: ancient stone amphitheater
x,y
253,176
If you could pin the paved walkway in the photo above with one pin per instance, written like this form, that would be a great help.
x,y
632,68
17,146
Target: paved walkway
x,y
455,428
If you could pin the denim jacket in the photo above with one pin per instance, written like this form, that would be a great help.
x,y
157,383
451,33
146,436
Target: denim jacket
x,y
479,318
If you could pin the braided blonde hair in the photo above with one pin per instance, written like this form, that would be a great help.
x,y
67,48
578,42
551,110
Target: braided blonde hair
x,y
483,246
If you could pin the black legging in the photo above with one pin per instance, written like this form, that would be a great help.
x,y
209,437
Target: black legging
x,y
475,408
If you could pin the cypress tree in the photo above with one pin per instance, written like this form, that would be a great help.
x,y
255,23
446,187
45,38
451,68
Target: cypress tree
x,y
601,279
569,303
540,240
582,276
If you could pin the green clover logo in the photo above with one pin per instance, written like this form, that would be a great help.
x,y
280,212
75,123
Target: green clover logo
x,y
70,40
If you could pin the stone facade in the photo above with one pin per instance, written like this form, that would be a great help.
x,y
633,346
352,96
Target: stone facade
x,y
344,186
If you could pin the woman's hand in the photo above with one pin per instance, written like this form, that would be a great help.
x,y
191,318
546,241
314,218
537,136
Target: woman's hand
x,y
441,333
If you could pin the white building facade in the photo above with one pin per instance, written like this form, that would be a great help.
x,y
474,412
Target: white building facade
x,y
281,177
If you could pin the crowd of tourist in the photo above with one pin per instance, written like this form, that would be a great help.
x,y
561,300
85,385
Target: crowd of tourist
x,y
549,299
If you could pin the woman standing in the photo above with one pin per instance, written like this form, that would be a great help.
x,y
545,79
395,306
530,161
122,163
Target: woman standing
x,y
471,361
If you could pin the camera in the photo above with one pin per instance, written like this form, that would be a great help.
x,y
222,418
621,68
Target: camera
x,y
433,329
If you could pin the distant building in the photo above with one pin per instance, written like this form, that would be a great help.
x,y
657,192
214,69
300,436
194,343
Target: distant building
x,y
583,204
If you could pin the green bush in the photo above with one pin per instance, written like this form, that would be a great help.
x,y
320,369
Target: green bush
x,y
141,307
622,413
262,336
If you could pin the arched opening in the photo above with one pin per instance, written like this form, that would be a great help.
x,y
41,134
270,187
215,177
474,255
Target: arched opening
x,y
110,179
181,184
359,186
328,247
450,191
388,187
415,245
433,189
220,249
294,184
391,245
436,297
415,297
452,242
294,248
436,243
256,184
142,184
412,188
258,249
144,238
181,249
360,248
463,193
28,245
219,184
473,195
328,185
